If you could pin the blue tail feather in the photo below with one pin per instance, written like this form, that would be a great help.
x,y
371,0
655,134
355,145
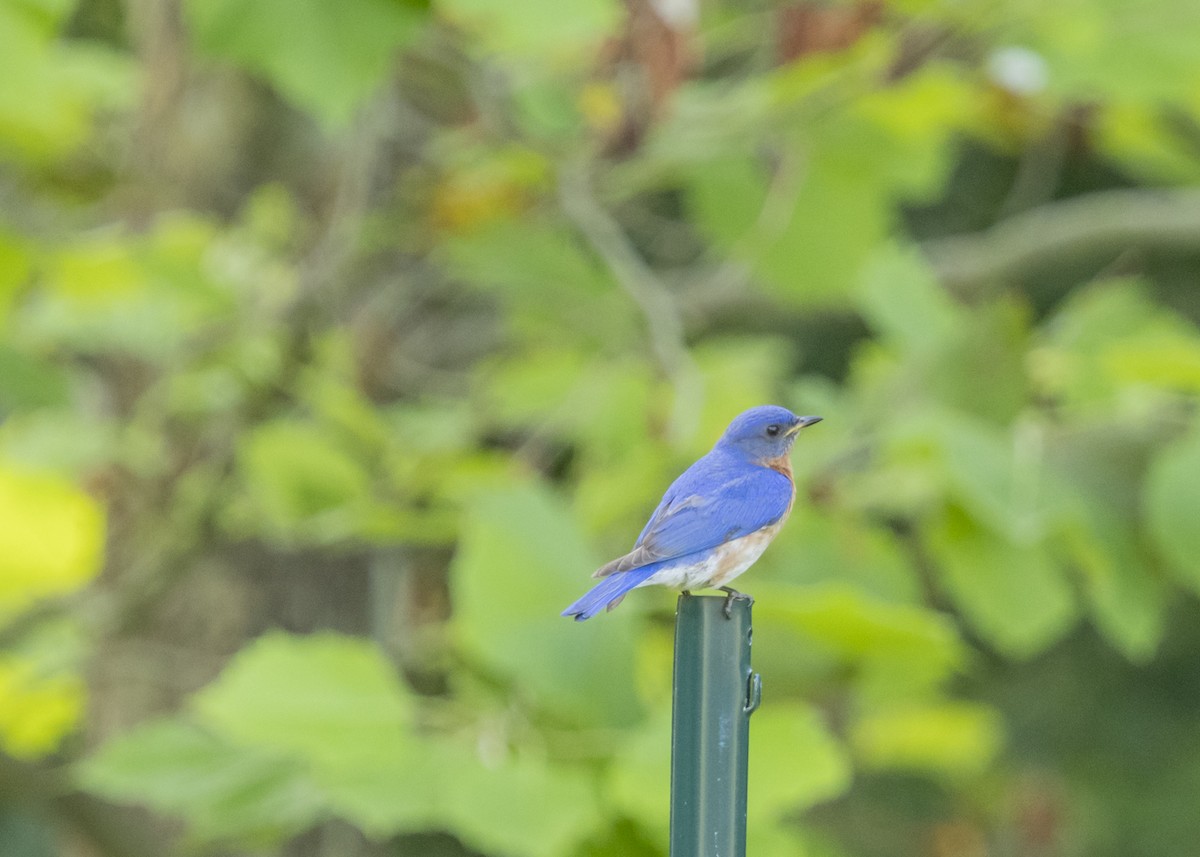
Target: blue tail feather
x,y
608,590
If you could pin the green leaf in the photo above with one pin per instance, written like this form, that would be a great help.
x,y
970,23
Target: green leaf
x,y
811,251
521,561
322,722
145,295
807,222
726,197
903,301
997,475
554,292
982,467
641,767
16,265
824,545
778,840
326,57
48,14
224,791
431,427
551,259
321,698
521,807
1101,464
518,806
1111,337
739,372
616,496
63,440
933,352
44,699
26,382
388,788
302,481
794,762
517,390
1014,594
605,405
52,87
1128,599
334,705
919,119
951,738
1170,499
537,29
1141,138
898,649
1123,52
1168,361
991,343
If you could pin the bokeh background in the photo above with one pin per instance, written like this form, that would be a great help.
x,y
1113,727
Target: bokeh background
x,y
342,340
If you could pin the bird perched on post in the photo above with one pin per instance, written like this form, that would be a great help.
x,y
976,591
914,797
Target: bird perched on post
x,y
715,520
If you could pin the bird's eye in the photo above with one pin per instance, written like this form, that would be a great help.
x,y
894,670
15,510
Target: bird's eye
x,y
772,430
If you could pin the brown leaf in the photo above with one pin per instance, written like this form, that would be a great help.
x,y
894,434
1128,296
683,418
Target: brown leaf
x,y
650,60
811,28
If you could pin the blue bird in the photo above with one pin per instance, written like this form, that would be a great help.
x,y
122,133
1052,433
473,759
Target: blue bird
x,y
715,520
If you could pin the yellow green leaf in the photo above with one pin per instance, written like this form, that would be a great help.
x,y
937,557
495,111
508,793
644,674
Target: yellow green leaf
x,y
949,738
51,537
36,708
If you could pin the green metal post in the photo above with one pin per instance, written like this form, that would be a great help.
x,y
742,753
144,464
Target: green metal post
x,y
715,693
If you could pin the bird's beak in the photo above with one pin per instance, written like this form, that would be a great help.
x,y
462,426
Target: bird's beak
x,y
805,422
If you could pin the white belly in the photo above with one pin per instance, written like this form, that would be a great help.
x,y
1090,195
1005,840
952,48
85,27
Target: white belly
x,y
721,565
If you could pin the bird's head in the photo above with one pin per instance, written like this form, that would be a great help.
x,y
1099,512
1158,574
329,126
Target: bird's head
x,y
764,433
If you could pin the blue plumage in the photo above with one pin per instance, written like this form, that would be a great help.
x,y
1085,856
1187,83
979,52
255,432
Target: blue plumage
x,y
715,500
609,591
715,519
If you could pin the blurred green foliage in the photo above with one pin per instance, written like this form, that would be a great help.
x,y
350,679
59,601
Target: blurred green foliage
x,y
341,341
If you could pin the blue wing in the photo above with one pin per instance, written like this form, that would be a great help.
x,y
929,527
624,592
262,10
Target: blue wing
x,y
714,501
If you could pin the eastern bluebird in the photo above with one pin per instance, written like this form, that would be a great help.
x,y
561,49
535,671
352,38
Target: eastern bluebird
x,y
716,519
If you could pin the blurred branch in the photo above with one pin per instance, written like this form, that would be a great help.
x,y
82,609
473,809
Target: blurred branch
x,y
168,552
1039,170
1100,224
323,266
658,306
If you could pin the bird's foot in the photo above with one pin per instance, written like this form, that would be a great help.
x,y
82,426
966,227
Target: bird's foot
x,y
732,595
